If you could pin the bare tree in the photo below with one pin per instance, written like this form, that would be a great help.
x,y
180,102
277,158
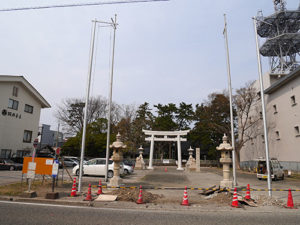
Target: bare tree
x,y
71,112
247,106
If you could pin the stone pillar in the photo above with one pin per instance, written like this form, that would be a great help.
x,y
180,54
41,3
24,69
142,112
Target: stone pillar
x,y
225,149
197,159
150,167
179,153
117,157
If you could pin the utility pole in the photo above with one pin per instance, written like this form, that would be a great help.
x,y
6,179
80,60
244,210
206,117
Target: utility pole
x,y
231,108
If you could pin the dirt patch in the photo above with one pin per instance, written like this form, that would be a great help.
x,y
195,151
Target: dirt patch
x,y
268,201
131,195
222,198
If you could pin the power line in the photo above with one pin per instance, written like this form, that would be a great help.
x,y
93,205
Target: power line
x,y
79,4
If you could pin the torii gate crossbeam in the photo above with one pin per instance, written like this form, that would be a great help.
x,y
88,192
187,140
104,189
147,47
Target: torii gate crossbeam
x,y
175,136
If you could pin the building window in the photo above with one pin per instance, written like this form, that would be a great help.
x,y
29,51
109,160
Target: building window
x,y
13,104
5,153
293,100
277,135
28,108
275,109
258,95
15,91
22,153
297,131
27,136
260,115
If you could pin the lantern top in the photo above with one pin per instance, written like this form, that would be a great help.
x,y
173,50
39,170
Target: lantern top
x,y
225,145
190,149
118,143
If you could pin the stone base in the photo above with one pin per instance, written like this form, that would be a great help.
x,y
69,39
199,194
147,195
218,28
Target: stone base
x,y
115,181
52,195
29,194
179,169
190,169
106,198
150,168
140,165
226,184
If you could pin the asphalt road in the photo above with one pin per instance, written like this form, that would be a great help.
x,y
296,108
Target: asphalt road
x,y
14,213
8,177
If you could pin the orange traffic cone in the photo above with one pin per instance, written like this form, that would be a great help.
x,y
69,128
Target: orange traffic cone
x,y
235,202
290,203
100,188
89,194
140,200
185,200
248,197
73,192
166,170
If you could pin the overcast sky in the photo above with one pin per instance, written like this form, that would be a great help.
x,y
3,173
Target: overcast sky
x,y
166,52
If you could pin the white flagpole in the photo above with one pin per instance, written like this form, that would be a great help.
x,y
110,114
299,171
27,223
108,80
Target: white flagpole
x,y
231,108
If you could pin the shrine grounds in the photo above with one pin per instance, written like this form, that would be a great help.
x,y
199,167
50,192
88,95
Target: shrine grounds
x,y
163,189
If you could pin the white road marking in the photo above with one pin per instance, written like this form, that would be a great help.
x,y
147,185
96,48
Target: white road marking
x,y
127,210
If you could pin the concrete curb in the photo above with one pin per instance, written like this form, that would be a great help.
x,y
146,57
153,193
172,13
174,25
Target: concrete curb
x,y
45,201
120,205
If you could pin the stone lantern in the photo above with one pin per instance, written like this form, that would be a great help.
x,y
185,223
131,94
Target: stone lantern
x,y
225,159
139,163
118,147
191,163
190,150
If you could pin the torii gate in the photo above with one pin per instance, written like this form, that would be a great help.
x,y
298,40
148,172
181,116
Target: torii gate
x,y
175,136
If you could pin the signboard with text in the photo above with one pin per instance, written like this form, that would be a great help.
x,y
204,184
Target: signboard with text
x,y
43,165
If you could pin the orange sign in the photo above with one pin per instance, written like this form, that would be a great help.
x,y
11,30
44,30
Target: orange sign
x,y
43,165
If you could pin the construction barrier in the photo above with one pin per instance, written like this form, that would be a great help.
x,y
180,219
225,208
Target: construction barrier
x,y
199,189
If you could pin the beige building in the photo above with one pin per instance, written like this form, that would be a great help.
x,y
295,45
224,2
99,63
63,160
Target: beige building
x,y
283,123
20,107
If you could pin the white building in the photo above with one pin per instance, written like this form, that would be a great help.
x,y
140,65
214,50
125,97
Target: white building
x,y
283,123
20,108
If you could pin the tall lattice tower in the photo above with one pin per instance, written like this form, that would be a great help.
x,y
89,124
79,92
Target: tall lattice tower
x,y
282,38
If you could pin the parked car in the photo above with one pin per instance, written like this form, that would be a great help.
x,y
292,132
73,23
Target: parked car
x,y
129,162
7,164
275,168
17,159
127,168
77,159
97,167
70,162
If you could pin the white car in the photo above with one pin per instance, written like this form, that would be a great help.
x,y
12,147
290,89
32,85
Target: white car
x,y
97,167
127,169
275,167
